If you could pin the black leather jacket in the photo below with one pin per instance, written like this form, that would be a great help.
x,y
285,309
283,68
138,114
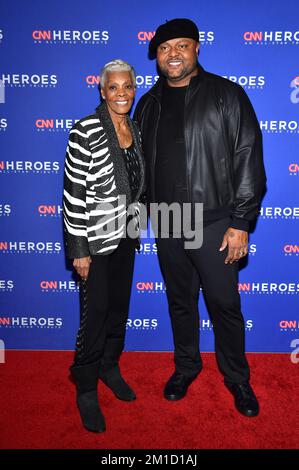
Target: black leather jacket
x,y
225,169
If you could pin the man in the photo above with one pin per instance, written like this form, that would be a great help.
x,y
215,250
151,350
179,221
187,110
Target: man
x,y
202,144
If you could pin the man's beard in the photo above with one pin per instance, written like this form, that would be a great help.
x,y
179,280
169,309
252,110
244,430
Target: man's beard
x,y
187,70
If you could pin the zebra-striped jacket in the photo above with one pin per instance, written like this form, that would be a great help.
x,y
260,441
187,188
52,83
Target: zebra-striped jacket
x,y
95,184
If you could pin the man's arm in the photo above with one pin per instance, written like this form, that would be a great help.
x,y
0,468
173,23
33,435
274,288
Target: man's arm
x,y
248,168
249,173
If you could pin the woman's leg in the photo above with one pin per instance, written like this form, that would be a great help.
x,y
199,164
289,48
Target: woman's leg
x,y
94,303
121,268
94,308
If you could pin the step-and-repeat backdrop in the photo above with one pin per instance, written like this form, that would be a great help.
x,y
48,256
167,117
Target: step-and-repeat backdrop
x,y
50,57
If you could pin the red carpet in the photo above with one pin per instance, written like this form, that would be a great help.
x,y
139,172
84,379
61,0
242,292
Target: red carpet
x,y
38,406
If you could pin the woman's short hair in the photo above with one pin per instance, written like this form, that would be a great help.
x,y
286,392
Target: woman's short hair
x,y
117,65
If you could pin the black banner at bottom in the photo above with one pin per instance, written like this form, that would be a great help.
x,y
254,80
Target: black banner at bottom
x,y
137,458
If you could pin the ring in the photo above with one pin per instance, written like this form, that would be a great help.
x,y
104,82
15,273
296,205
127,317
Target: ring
x,y
241,253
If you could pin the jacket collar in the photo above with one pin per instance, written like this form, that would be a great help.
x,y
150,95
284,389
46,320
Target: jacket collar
x,y
115,151
195,82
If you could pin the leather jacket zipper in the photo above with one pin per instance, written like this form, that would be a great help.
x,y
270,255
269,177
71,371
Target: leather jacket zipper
x,y
186,147
155,150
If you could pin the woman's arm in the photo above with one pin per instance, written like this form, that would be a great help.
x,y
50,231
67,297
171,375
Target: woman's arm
x,y
77,161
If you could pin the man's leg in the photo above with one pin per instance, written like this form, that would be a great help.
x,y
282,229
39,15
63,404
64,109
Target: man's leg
x,y
182,289
220,287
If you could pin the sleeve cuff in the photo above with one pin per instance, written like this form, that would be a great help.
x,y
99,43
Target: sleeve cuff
x,y
240,224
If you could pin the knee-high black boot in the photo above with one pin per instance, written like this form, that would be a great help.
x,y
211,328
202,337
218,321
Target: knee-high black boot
x,y
86,377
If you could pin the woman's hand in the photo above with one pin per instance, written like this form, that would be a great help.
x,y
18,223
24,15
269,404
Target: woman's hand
x,y
81,265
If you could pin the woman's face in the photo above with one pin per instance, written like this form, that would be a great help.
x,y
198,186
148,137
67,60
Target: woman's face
x,y
119,92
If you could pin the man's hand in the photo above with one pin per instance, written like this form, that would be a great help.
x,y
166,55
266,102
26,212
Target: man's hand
x,y
81,265
237,242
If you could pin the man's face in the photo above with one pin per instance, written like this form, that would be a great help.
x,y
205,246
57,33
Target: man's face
x,y
177,58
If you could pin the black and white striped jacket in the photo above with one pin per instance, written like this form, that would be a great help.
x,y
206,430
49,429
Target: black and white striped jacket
x,y
95,183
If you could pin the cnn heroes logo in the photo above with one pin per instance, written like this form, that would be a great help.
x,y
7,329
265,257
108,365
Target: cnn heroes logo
x,y
59,286
26,80
30,247
58,36
205,37
142,324
20,321
150,287
25,166
248,81
142,81
54,124
269,288
280,126
270,212
271,38
206,324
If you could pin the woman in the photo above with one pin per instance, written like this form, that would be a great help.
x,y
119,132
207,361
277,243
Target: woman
x,y
104,177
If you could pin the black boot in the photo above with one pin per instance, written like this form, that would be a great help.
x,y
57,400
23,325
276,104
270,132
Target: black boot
x,y
113,379
86,377
177,386
245,399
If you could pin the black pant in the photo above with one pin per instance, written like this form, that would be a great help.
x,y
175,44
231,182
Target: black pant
x,y
184,270
105,298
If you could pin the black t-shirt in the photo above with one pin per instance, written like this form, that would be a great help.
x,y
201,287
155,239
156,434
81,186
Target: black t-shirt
x,y
170,169
171,177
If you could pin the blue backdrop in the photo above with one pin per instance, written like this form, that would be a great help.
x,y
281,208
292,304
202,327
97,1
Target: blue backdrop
x,y
51,54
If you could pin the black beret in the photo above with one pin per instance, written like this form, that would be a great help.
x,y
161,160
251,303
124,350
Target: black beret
x,y
177,28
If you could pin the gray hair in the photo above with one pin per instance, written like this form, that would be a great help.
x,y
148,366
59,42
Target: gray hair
x,y
117,65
